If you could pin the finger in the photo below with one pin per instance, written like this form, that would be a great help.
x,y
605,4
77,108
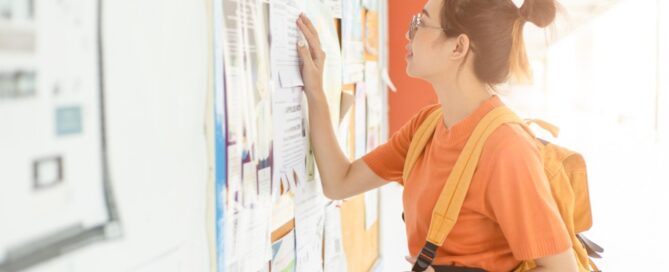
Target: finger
x,y
312,39
317,54
309,24
302,23
309,32
304,53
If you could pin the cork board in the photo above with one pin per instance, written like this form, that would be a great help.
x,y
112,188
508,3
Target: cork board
x,y
361,245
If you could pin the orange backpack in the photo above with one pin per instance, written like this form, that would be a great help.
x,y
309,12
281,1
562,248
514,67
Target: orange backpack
x,y
564,168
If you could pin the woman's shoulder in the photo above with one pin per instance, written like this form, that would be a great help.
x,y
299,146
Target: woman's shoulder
x,y
510,141
511,155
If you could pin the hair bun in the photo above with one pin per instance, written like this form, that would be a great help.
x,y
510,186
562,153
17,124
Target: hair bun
x,y
539,12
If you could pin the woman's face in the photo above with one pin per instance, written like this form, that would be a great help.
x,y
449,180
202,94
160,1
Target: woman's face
x,y
428,50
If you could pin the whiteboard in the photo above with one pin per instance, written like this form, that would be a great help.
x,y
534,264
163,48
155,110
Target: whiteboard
x,y
55,193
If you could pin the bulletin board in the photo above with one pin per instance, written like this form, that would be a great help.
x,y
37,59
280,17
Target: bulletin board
x,y
271,214
361,243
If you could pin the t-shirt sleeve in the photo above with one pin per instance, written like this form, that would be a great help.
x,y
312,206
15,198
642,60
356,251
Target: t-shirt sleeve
x,y
387,160
519,197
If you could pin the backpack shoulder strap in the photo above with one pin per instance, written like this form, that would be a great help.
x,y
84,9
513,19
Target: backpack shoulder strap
x,y
420,138
447,209
424,133
452,196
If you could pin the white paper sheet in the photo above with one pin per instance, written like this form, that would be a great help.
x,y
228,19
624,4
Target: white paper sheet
x,y
247,242
352,43
374,104
371,4
250,184
309,220
283,19
233,61
360,121
264,181
290,139
334,6
258,238
335,258
234,179
283,254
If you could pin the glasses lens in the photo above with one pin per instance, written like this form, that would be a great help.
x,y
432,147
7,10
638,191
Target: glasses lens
x,y
413,26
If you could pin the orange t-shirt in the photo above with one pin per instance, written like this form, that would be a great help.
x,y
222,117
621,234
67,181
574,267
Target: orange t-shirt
x,y
508,214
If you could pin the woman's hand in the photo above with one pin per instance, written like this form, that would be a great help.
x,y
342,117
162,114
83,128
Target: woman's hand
x,y
412,261
312,58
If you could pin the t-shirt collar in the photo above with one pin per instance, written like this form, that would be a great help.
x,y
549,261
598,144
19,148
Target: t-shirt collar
x,y
465,127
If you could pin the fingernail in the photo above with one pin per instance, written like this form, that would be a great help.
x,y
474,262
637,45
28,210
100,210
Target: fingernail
x,y
301,44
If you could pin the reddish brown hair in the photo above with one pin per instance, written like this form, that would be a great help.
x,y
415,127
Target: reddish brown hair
x,y
495,30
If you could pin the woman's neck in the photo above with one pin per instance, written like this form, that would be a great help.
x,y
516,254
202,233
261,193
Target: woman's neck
x,y
458,102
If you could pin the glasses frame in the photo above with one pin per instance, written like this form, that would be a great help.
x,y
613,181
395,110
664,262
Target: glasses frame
x,y
416,22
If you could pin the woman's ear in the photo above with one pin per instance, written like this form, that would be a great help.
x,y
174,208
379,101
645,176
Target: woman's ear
x,y
461,47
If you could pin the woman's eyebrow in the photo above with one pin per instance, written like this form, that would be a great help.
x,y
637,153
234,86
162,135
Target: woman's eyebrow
x,y
426,13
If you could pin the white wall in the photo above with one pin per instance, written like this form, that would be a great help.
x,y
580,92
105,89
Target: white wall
x,y
664,70
601,90
156,79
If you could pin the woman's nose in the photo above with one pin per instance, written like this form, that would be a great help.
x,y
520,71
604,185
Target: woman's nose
x,y
406,35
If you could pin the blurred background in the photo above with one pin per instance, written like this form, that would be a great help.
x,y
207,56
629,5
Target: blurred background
x,y
601,74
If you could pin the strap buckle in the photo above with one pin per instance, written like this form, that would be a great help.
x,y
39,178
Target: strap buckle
x,y
425,258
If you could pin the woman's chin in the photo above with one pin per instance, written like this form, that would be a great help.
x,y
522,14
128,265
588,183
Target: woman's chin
x,y
409,71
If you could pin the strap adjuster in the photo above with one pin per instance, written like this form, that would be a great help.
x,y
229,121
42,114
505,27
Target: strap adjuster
x,y
425,258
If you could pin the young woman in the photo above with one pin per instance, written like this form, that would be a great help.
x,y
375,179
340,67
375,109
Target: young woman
x,y
463,48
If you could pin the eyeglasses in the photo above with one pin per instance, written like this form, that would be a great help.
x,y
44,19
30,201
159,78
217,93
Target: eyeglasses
x,y
416,22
